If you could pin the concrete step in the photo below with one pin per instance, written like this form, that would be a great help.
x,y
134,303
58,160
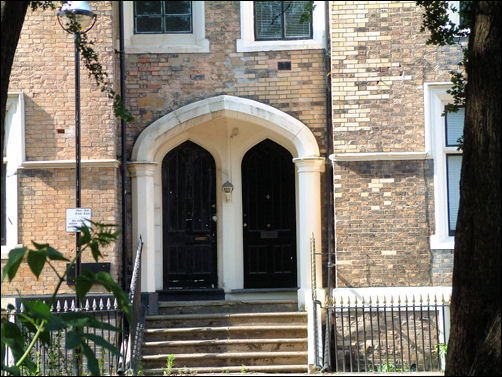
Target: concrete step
x,y
226,332
224,319
227,359
282,369
224,345
204,307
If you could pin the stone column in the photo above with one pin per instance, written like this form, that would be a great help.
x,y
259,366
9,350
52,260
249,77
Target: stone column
x,y
143,219
309,216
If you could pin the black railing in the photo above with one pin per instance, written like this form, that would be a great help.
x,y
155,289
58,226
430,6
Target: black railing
x,y
388,336
133,333
55,359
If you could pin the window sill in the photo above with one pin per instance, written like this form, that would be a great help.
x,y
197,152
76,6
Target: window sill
x,y
437,243
278,45
164,44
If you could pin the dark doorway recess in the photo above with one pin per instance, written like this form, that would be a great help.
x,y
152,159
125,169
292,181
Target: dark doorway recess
x,y
189,222
269,217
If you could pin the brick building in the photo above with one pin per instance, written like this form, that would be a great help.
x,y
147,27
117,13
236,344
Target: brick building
x,y
268,106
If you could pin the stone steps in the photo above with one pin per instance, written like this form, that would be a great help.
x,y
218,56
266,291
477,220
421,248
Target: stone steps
x,y
225,337
218,306
223,319
225,345
281,369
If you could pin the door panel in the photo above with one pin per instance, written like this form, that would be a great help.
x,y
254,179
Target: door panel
x,y
269,217
189,230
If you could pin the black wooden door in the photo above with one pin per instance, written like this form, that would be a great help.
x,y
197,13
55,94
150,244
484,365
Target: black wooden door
x,y
189,222
269,223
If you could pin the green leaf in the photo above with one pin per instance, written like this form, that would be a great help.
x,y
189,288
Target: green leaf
x,y
53,254
107,281
12,265
95,250
92,362
37,309
85,235
73,339
55,323
36,261
99,340
84,284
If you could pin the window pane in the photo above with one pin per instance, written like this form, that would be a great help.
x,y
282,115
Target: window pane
x,y
178,24
268,19
147,8
293,27
178,7
453,165
454,126
147,24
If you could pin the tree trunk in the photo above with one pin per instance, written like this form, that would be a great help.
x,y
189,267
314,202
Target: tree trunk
x,y
475,344
13,13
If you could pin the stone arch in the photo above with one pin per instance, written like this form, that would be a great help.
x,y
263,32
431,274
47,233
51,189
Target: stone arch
x,y
215,124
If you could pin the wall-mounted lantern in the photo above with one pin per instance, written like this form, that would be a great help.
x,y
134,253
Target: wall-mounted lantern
x,y
227,189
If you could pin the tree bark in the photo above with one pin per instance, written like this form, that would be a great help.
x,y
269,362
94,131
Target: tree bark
x,y
13,13
475,342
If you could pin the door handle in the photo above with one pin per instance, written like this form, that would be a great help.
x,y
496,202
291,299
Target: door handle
x,y
188,219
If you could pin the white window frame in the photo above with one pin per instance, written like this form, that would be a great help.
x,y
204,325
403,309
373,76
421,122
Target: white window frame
x,y
435,100
247,42
14,156
194,42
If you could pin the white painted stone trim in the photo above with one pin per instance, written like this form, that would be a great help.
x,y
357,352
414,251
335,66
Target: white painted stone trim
x,y
224,106
14,156
435,98
392,293
248,44
379,156
69,164
195,42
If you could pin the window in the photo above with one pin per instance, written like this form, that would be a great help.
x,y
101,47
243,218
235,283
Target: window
x,y
444,128
275,20
154,17
276,26
164,27
454,129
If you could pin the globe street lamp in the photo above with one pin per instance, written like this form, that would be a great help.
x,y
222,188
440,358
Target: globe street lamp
x,y
76,17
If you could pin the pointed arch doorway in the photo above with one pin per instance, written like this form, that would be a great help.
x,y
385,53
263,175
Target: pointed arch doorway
x,y
269,217
210,124
188,212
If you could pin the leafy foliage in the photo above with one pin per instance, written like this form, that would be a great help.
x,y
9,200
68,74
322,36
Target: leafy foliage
x,y
37,317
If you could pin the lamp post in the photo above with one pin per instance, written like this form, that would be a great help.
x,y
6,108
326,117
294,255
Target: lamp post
x,y
76,17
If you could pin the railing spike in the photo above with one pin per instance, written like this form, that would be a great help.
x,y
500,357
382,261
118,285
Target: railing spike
x,y
101,305
87,306
108,304
94,305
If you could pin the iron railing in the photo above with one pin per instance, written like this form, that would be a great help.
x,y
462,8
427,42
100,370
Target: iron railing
x,y
133,333
388,336
55,359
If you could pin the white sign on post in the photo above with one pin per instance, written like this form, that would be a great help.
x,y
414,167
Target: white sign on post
x,y
77,217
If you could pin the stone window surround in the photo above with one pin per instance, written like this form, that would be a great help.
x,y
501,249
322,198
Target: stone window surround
x,y
435,100
14,156
247,41
195,42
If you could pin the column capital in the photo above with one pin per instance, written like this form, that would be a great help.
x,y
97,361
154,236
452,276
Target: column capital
x,y
310,164
142,168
